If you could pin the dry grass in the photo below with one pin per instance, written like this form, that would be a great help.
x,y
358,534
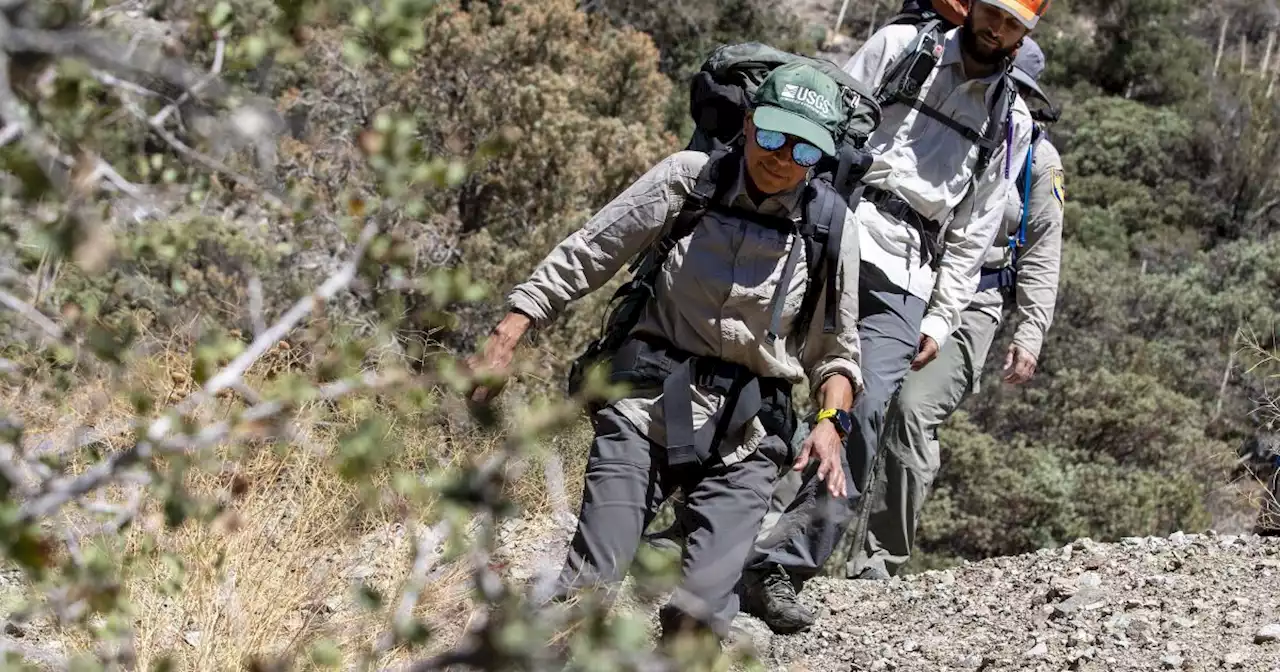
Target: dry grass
x,y
278,570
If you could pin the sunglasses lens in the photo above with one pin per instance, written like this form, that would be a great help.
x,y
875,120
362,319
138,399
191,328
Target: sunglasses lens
x,y
770,140
806,154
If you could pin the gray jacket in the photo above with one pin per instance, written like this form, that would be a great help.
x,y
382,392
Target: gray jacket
x,y
1039,260
714,291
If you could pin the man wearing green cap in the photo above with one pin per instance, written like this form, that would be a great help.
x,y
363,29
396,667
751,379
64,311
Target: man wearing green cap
x,y
716,350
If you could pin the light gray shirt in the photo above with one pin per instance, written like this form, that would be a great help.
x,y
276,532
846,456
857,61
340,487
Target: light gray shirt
x,y
714,292
931,167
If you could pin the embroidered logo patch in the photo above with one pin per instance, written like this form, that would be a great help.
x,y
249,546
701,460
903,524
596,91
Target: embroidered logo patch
x,y
1059,189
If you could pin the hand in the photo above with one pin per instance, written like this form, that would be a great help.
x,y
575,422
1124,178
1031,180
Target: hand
x,y
927,352
1019,366
825,445
496,356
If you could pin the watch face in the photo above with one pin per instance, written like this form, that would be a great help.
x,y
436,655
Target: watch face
x,y
844,421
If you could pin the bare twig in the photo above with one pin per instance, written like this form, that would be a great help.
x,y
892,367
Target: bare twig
x,y
14,113
50,329
10,133
62,491
104,169
221,47
200,157
111,80
428,551
233,372
255,306
104,53
58,493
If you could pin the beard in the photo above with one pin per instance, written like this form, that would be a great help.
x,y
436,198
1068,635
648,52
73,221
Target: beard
x,y
977,50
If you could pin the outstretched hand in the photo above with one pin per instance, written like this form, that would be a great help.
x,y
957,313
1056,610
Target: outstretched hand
x,y
494,359
824,445
1019,365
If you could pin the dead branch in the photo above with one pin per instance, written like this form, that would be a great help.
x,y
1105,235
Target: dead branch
x,y
58,493
219,49
101,51
428,551
62,491
202,158
9,133
255,306
16,115
28,311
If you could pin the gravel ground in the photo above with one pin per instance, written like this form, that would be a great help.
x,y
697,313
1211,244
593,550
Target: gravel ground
x,y
1186,602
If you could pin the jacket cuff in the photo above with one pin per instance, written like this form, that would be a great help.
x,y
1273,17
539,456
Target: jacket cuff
x,y
1029,339
836,367
936,327
522,301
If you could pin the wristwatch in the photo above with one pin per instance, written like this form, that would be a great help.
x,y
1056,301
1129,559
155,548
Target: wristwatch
x,y
840,418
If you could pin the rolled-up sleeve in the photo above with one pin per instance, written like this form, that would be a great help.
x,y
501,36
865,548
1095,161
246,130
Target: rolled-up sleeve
x,y
824,355
1040,260
592,255
971,233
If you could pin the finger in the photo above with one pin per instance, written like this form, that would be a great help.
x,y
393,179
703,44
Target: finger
x,y
836,484
802,460
917,362
1008,358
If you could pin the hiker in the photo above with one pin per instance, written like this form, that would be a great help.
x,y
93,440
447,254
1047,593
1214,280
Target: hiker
x,y
717,349
952,137
1020,274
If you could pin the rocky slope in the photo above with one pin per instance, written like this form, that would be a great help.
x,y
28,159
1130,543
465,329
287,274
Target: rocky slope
x,y
1187,602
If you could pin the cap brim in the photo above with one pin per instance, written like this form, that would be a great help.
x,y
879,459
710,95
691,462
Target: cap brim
x,y
785,121
1026,15
1023,79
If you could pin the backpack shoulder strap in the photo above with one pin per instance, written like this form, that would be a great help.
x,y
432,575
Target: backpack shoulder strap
x,y
717,177
883,96
1024,189
999,120
822,231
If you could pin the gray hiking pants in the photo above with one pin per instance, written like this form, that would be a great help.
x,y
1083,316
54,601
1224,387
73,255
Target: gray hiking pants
x,y
627,479
910,452
808,532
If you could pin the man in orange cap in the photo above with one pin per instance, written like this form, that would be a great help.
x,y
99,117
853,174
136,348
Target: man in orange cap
x,y
953,137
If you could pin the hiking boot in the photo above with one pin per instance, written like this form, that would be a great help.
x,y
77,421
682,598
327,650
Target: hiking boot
x,y
769,596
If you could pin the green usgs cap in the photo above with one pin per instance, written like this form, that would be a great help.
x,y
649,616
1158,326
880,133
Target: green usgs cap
x,y
798,99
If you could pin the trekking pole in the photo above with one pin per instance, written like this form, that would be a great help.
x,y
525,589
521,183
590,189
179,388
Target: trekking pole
x,y
840,17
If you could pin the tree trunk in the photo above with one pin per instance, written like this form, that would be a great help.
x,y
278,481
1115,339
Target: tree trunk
x,y
840,17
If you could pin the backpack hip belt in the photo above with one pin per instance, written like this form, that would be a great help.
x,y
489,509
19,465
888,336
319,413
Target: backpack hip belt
x,y
645,360
930,231
1005,278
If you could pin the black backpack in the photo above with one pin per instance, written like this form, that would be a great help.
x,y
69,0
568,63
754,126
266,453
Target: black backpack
x,y
720,96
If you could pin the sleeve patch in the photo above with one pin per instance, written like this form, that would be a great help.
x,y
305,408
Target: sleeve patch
x,y
1059,190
